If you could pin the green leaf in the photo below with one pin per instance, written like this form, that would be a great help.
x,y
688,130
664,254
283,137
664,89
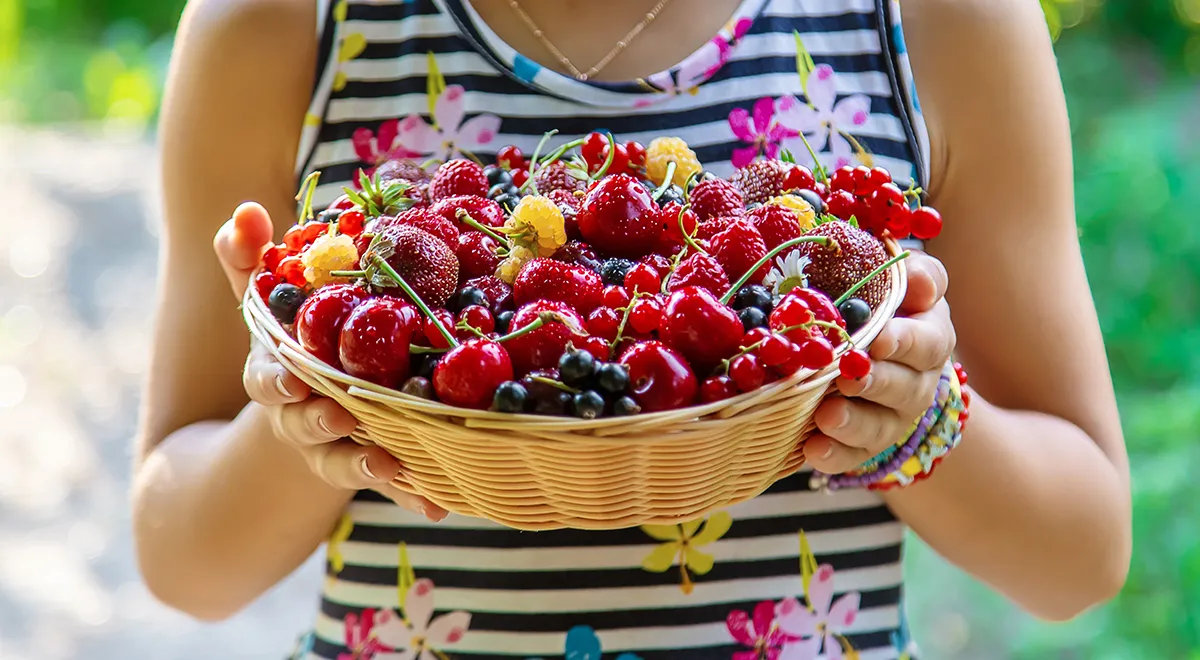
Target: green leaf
x,y
804,63
435,84
786,156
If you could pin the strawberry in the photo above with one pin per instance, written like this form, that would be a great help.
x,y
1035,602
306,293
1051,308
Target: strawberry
x,y
760,180
548,279
423,260
737,248
578,252
700,270
713,197
476,252
458,177
569,204
775,223
671,240
498,293
714,226
399,169
541,348
485,211
835,271
424,219
619,218
555,176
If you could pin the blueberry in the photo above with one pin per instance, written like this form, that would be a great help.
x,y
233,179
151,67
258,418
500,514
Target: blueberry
x,y
470,296
753,205
285,301
575,366
612,271
648,185
814,200
328,215
588,404
503,321
418,387
753,295
510,397
497,175
556,402
856,312
625,406
752,317
612,378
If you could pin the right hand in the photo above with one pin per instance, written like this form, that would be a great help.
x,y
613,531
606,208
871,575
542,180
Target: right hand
x,y
315,426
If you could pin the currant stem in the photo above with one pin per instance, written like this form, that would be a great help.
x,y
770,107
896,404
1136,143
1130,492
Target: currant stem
x,y
612,151
870,276
823,240
752,347
687,238
554,383
558,153
536,151
612,345
833,326
307,188
466,219
662,187
382,264
537,323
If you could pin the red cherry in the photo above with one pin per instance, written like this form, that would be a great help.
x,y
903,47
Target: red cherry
x,y
747,372
645,315
293,238
351,223
926,223
816,353
477,317
519,177
469,374
593,148
615,297
432,334
272,257
822,189
799,178
698,325
841,204
753,336
775,350
620,161
855,365
510,158
658,262
790,312
636,153
373,344
596,346
265,282
313,230
319,320
717,388
659,377
541,348
618,217
642,279
343,202
842,180
604,322
292,270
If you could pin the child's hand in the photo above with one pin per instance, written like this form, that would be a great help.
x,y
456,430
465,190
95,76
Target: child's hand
x,y
316,427
907,360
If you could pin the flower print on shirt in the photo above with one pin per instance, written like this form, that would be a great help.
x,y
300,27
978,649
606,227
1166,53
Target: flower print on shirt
x,y
582,643
418,635
681,543
360,642
448,136
824,121
702,64
758,632
377,147
758,129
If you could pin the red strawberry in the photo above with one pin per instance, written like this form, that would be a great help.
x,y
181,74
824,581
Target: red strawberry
x,y
548,279
485,211
476,254
569,204
738,248
541,348
714,226
554,176
760,180
424,219
578,252
423,260
619,218
835,271
401,169
458,177
713,197
700,270
671,240
498,293
776,224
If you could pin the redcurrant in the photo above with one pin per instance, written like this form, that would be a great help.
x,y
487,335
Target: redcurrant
x,y
816,353
878,177
775,350
615,297
292,270
273,256
855,365
747,372
477,317
841,204
313,230
842,180
597,346
642,278
265,282
343,202
636,153
604,322
620,161
717,388
293,238
351,223
510,158
645,315
925,223
593,148
862,176
754,336
519,177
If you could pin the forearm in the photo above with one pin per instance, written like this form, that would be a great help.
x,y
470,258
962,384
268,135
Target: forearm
x,y
223,511
1029,504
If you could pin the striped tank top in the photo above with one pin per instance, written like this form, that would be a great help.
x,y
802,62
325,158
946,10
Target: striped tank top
x,y
790,575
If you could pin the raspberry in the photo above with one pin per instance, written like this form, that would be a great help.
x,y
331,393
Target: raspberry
x,y
760,180
458,177
329,253
542,221
738,248
565,199
476,252
662,151
509,268
775,224
714,197
425,220
498,293
578,252
555,176
700,270
714,226
547,279
804,211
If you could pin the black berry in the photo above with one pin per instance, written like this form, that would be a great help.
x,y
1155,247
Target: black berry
x,y
673,193
752,317
556,402
422,364
328,215
418,387
471,296
587,404
509,397
612,271
576,366
503,321
814,200
753,295
497,176
856,313
285,301
508,201
625,406
612,378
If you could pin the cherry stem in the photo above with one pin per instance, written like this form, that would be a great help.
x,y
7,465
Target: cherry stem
x,y
537,150
752,347
870,276
687,187
558,153
823,240
612,151
463,325
554,383
542,319
662,187
307,188
687,238
674,267
466,219
382,264
413,348
347,273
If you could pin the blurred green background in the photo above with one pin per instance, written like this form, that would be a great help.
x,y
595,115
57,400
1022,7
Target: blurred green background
x,y
1131,69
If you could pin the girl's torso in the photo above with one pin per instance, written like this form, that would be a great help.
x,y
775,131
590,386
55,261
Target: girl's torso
x,y
427,78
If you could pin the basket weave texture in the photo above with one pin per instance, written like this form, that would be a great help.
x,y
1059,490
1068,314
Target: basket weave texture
x,y
534,472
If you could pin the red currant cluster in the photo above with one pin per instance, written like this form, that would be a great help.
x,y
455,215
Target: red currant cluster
x,y
629,158
878,204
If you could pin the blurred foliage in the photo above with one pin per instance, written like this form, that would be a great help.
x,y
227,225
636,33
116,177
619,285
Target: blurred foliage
x,y
1130,69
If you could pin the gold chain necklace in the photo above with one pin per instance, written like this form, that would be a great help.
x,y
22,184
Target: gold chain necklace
x,y
584,75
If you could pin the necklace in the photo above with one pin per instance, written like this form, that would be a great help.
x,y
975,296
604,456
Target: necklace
x,y
584,75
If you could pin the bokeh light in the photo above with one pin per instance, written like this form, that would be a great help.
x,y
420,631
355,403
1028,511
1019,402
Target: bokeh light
x,y
12,386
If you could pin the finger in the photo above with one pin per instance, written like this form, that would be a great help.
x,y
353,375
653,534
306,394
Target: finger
x,y
270,384
927,283
857,423
315,422
895,386
414,503
346,464
240,242
923,342
827,455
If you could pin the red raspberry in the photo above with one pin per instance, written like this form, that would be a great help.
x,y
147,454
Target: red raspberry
x,y
700,270
484,211
547,279
775,223
458,177
425,220
738,248
714,197
554,176
498,293
476,254
714,226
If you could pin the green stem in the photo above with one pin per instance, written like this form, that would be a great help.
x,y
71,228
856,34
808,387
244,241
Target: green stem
x,y
383,265
687,237
554,383
538,150
418,350
347,273
870,276
675,260
753,347
558,153
542,319
612,151
818,168
307,188
463,325
823,240
662,187
466,219
687,187
612,345
833,326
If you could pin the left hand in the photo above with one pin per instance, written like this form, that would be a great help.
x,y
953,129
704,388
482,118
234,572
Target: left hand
x,y
907,359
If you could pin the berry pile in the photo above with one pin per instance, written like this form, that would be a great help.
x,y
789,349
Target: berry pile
x,y
601,279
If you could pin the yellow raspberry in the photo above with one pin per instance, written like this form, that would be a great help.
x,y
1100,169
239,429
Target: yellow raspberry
x,y
662,151
326,254
542,222
804,210
511,265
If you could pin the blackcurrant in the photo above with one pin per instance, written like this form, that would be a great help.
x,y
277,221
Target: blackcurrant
x,y
422,364
418,387
752,317
588,404
753,295
575,366
753,205
503,321
673,193
625,406
556,402
856,313
497,175
814,200
285,301
613,271
509,397
508,201
497,190
471,296
328,215
612,378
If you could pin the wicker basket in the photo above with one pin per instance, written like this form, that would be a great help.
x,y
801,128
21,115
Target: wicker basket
x,y
535,472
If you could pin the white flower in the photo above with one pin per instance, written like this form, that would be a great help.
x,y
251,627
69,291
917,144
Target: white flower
x,y
788,273
419,637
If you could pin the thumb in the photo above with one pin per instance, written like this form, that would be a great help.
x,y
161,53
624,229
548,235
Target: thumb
x,y
927,283
240,243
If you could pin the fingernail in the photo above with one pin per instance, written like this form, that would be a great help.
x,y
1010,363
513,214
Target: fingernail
x,y
866,382
828,451
325,427
842,418
362,463
423,511
282,389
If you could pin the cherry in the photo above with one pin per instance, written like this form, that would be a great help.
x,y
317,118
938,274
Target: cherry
x,y
791,311
319,320
293,238
775,350
604,322
645,315
470,373
313,230
431,332
717,388
510,158
841,204
855,365
926,223
373,344
754,336
265,282
658,262
816,353
477,317
799,178
272,257
351,223
597,346
698,325
620,160
659,377
292,270
519,177
642,279
619,218
636,153
541,348
593,148
747,372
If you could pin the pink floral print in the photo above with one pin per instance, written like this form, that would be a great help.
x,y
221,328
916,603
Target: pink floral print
x,y
380,146
758,129
449,135
758,632
419,636
824,121
361,643
823,622
702,64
